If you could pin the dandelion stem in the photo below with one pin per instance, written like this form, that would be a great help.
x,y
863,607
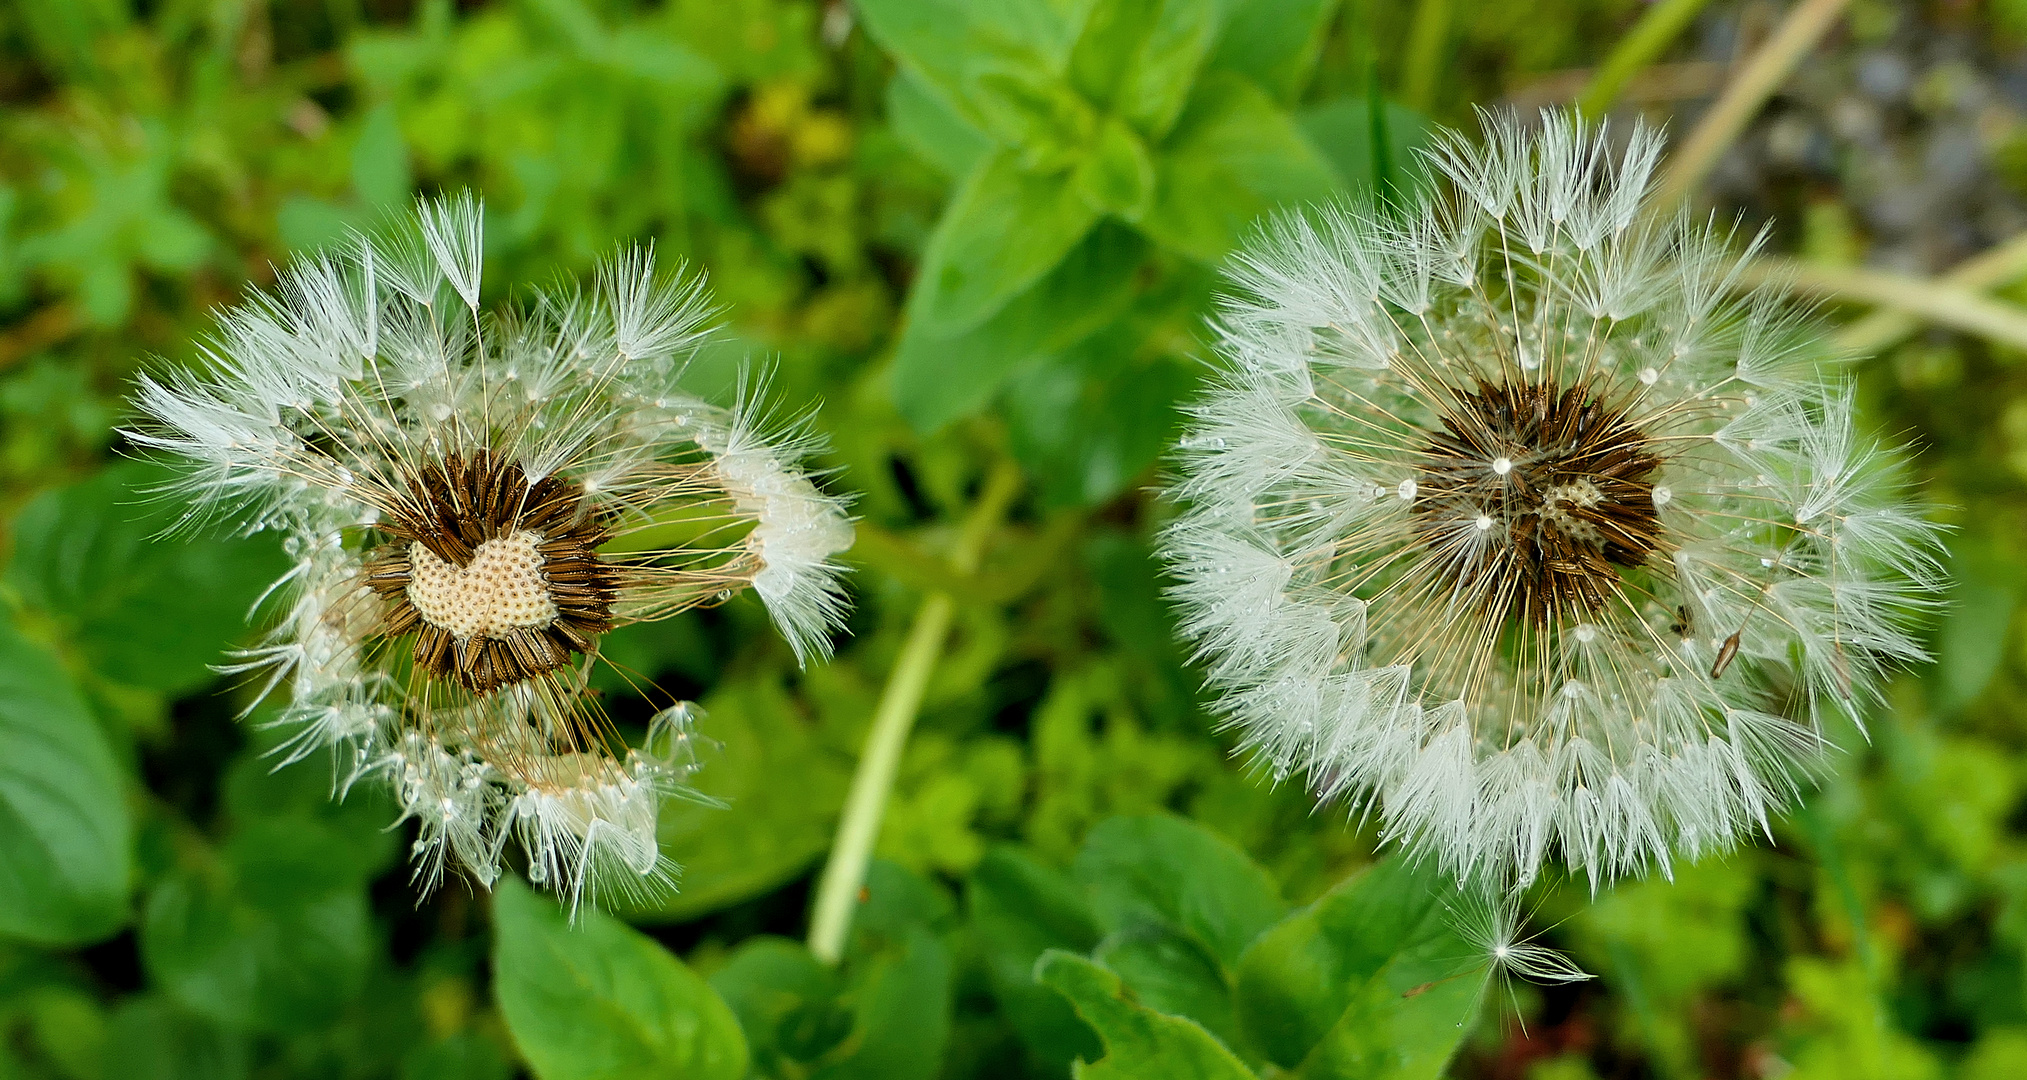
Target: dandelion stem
x,y
1762,74
838,891
1648,38
1937,301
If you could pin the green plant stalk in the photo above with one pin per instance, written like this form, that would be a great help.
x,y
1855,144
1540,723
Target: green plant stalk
x,y
844,874
1641,46
1763,73
1426,40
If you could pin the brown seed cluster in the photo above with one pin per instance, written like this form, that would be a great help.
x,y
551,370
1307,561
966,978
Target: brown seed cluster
x,y
498,579
1560,481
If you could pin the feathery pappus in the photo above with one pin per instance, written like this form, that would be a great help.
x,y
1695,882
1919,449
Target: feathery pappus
x,y
471,498
1514,520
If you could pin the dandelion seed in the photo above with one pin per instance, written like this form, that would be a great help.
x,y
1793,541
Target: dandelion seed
x,y
1490,921
1639,550
472,500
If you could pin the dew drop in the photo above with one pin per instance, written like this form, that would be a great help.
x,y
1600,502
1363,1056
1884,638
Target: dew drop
x,y
1662,494
1406,490
1484,523
1502,466
1649,376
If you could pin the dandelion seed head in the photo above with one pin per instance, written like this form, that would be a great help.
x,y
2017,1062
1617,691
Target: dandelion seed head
x,y
1637,549
471,499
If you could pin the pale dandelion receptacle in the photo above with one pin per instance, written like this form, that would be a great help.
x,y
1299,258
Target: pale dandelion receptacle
x,y
1511,519
471,498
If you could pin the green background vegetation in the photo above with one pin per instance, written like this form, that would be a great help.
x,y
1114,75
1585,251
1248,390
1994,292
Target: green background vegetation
x,y
977,240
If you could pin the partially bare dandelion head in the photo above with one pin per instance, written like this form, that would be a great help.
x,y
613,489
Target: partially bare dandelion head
x,y
1512,518
472,499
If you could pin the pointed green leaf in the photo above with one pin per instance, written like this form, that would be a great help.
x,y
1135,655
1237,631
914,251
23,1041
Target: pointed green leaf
x,y
929,127
1343,131
988,63
1004,229
262,939
599,1000
1140,1043
1138,58
1116,177
1169,971
1378,950
1233,157
64,830
142,608
1018,910
939,378
1086,424
1175,873
1275,44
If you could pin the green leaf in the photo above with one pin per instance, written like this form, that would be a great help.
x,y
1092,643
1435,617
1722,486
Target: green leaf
x,y
1172,973
380,160
938,379
1140,1043
1087,423
784,787
1391,1034
340,842
1275,44
1971,642
64,829
602,1000
1233,157
143,609
1138,58
885,1015
1375,959
1342,129
928,127
463,1056
149,1038
1005,227
1116,177
1018,910
786,1001
1174,873
267,935
898,975
988,63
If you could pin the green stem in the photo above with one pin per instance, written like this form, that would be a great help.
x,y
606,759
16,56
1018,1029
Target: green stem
x,y
1427,37
1641,46
844,875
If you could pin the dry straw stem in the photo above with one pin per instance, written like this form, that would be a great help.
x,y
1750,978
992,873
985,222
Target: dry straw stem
x,y
1997,266
845,874
1936,301
1762,74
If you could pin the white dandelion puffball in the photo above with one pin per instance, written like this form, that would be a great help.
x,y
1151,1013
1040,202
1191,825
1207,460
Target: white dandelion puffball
x,y
1511,519
471,498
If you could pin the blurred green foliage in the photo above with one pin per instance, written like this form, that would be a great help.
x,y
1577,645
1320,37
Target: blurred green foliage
x,y
975,232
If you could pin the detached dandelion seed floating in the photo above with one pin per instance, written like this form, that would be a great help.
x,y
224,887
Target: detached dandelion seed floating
x,y
471,499
1508,521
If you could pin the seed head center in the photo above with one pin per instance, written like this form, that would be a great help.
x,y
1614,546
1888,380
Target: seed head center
x,y
496,577
501,589
1567,503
